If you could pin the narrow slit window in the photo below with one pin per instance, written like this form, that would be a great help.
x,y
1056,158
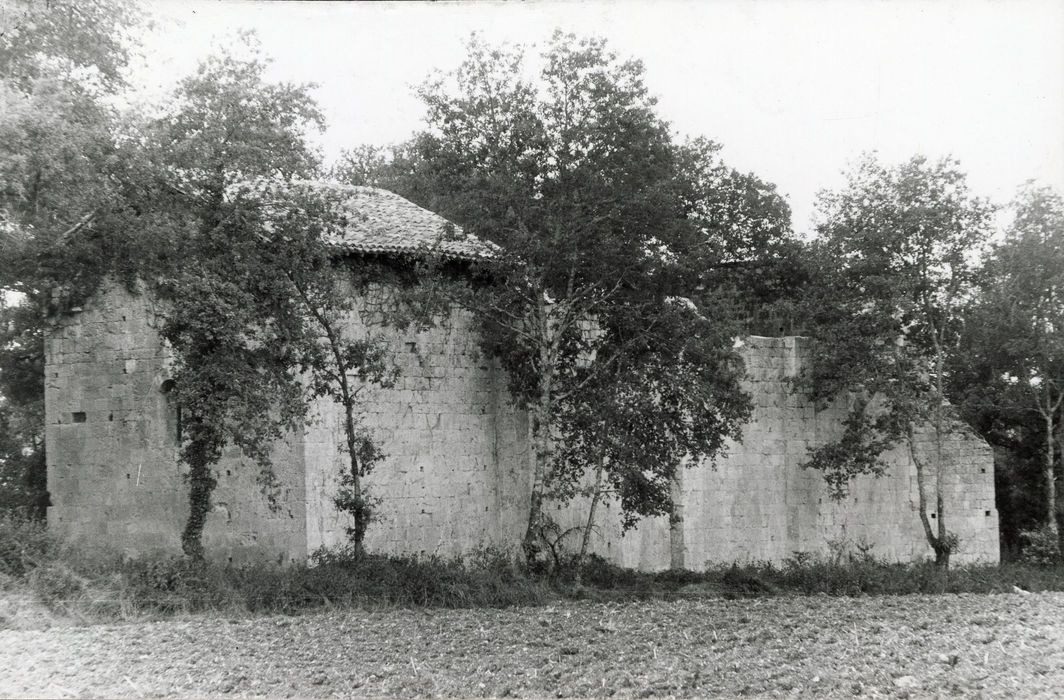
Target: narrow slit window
x,y
173,409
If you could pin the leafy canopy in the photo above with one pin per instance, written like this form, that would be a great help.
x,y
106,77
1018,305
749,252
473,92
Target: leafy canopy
x,y
895,260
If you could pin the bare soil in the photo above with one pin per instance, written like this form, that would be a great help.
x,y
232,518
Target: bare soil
x,y
973,645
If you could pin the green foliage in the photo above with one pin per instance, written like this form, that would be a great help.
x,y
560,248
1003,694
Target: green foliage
x,y
894,262
1041,547
24,544
673,399
105,590
63,227
206,207
255,300
227,124
604,233
744,260
88,38
23,491
352,496
1009,376
857,451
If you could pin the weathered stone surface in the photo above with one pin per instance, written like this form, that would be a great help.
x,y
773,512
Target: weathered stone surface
x,y
456,476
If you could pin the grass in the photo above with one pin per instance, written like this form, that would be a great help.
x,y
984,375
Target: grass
x,y
40,579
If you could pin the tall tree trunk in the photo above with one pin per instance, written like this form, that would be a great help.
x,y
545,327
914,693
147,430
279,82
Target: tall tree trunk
x,y
596,495
921,491
201,484
677,546
945,546
1060,456
1050,478
543,447
541,458
360,512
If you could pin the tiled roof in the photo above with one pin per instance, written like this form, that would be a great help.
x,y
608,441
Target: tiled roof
x,y
383,222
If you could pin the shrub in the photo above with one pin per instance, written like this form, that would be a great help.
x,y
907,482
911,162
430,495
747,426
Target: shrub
x,y
175,584
597,572
488,578
24,545
1040,547
748,581
56,585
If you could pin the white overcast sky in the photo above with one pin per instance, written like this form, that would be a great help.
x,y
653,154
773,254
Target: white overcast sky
x,y
794,89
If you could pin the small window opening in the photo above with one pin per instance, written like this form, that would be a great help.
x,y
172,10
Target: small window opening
x,y
167,387
932,516
988,514
78,416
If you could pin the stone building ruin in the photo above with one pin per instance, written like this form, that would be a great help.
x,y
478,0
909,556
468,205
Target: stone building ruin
x,y
457,473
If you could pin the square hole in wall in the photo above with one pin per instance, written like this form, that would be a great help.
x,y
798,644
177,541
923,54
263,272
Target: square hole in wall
x,y
932,516
78,416
988,514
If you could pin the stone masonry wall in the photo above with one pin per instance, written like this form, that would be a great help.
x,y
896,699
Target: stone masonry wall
x,y
758,504
456,474
111,443
454,477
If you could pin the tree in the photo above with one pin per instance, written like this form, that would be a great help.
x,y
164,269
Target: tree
x,y
669,402
896,259
259,302
255,301
1014,335
61,221
90,38
745,260
575,177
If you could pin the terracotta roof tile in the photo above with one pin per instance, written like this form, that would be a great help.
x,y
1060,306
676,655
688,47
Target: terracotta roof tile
x,y
383,222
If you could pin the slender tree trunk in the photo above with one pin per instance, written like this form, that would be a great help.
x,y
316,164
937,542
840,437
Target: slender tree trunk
x,y
943,550
921,491
1060,455
541,458
677,546
542,445
1050,478
361,512
596,495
